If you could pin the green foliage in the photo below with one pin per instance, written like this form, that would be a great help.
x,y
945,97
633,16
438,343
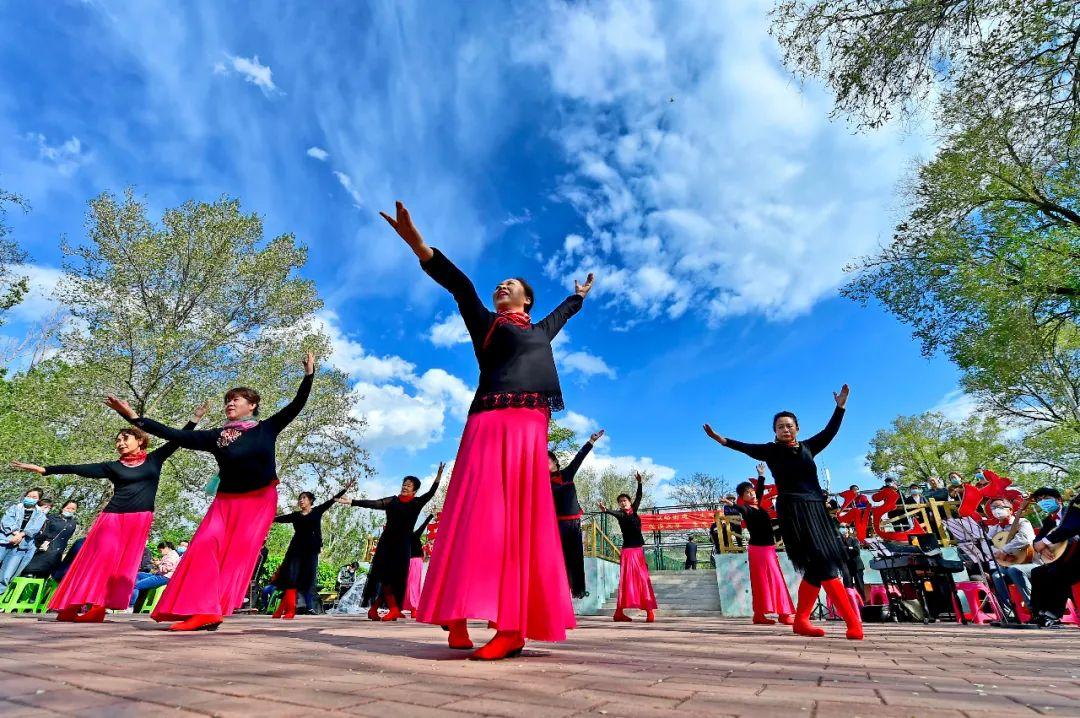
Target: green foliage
x,y
13,287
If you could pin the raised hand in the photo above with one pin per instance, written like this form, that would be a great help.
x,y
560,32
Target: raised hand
x,y
714,436
405,228
28,467
601,505
761,469
201,411
120,407
583,289
638,476
596,437
438,474
841,397
309,363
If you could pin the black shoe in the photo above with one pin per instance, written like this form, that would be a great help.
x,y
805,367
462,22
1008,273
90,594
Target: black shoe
x,y
1044,619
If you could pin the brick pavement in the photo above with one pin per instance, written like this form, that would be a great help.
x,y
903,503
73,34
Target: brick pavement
x,y
335,666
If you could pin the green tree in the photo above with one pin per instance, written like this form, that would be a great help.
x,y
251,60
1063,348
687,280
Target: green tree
x,y
13,286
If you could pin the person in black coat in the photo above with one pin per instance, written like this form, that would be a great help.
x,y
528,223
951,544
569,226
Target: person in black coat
x,y
52,540
690,550
1052,581
855,565
568,513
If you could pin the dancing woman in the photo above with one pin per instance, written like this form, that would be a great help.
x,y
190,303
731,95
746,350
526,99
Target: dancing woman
x,y
810,535
498,553
300,567
416,569
389,573
103,573
635,586
768,588
568,512
211,581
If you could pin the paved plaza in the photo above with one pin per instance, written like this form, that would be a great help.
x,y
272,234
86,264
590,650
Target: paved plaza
x,y
335,666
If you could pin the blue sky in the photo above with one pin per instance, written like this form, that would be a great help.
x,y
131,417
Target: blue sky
x,y
660,145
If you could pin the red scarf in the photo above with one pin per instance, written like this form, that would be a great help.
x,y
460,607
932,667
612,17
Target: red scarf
x,y
556,478
791,444
133,460
406,499
518,319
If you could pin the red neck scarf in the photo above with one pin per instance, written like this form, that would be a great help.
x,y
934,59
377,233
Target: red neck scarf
x,y
518,319
133,460
406,499
556,478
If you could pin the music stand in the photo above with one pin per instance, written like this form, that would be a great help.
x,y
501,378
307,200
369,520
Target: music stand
x,y
971,540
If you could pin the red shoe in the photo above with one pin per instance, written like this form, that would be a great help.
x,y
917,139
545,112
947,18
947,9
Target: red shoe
x,y
808,594
786,618
198,622
68,615
95,614
289,601
620,617
393,614
650,616
459,636
505,644
762,619
373,613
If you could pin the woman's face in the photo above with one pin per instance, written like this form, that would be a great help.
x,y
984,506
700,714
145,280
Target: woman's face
x,y
407,488
749,497
510,296
786,429
304,502
238,407
126,444
624,503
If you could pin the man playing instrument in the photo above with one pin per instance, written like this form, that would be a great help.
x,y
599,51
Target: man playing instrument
x,y
1013,554
1058,551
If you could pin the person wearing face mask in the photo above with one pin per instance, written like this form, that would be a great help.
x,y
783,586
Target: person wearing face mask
x,y
51,542
810,536
388,577
181,547
768,587
300,567
1052,580
499,556
635,586
1017,575
20,525
212,580
103,574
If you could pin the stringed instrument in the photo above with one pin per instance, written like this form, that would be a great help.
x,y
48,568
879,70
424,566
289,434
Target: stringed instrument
x,y
1025,554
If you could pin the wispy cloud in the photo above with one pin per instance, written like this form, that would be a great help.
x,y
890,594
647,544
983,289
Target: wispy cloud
x,y
251,70
318,153
66,156
347,183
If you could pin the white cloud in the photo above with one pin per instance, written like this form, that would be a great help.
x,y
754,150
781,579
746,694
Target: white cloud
x,y
251,70
586,364
39,301
66,156
318,153
600,461
347,183
956,405
449,331
578,423
516,219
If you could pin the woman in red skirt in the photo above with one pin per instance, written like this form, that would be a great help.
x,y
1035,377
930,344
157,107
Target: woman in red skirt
x,y
211,581
103,574
635,586
498,556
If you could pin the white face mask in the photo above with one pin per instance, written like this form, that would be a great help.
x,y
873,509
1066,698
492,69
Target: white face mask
x,y
68,514
1000,513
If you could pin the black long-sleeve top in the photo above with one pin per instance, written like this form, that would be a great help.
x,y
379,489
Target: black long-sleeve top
x,y
517,364
563,488
417,538
307,528
758,522
853,551
793,467
1068,527
630,523
247,463
57,530
134,487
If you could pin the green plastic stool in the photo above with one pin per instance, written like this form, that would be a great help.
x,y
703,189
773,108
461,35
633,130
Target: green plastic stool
x,y
46,595
150,599
23,595
272,604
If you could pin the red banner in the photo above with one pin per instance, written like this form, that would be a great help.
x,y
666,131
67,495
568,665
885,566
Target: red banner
x,y
677,521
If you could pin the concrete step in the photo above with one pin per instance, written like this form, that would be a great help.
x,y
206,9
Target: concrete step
x,y
664,611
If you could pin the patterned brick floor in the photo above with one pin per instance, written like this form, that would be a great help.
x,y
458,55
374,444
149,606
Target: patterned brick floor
x,y
323,666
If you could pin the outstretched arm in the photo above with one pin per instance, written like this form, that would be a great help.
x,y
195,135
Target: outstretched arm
x,y
418,533
377,504
424,498
289,518
291,410
89,471
321,508
637,494
164,451
759,484
817,443
553,323
571,469
761,452
196,440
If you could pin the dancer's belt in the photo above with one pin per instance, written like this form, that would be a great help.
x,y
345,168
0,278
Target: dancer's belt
x,y
576,516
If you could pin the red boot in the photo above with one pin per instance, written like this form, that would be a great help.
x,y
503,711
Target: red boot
x,y
650,616
762,619
290,604
373,612
280,607
198,622
620,617
68,614
505,644
842,602
459,635
808,594
95,614
394,613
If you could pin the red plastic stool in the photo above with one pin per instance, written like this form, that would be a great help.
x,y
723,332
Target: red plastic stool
x,y
1022,613
878,595
976,593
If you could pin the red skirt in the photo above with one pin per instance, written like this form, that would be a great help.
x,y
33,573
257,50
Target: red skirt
x,y
416,581
103,572
215,572
498,556
767,584
635,586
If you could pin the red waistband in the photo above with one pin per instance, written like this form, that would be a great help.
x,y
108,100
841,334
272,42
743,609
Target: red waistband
x,y
576,516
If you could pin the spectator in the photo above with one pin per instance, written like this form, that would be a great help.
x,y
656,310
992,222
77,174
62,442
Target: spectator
x,y
690,550
956,487
346,577
52,540
853,556
146,563
861,502
160,573
181,547
714,536
915,494
936,489
18,527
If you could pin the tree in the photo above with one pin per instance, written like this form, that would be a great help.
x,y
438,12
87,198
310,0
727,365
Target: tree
x,y
700,489
13,286
915,448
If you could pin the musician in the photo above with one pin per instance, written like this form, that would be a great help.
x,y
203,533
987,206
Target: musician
x,y
1018,574
855,565
1051,582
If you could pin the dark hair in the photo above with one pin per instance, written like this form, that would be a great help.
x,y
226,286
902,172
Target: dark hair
x,y
1046,491
554,457
1000,499
853,486
780,415
414,481
624,495
741,488
164,544
45,501
311,496
40,492
69,502
245,392
136,433
529,294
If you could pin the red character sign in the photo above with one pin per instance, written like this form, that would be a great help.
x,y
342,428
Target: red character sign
x,y
889,498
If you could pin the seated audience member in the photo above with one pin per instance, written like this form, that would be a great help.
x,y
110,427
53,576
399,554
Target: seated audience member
x,y
52,540
1052,581
936,489
181,547
19,525
1002,511
346,577
161,571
